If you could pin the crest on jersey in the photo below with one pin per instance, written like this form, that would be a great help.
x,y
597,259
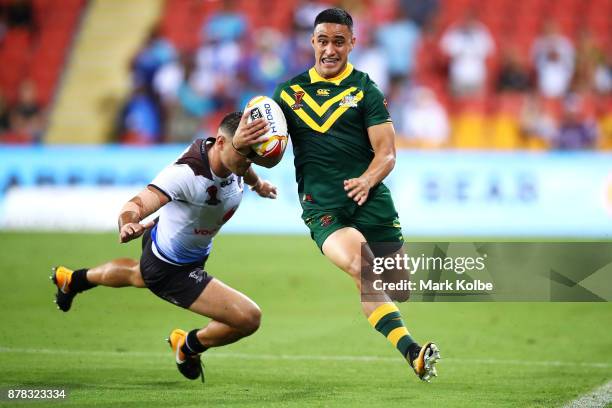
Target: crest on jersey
x,y
326,220
212,196
322,92
298,100
348,101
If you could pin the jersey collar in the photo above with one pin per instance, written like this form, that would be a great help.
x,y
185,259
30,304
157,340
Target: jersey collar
x,y
315,77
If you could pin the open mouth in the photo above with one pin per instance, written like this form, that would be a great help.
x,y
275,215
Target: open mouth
x,y
329,62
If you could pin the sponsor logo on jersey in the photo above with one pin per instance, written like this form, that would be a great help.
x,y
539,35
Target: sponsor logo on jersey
x,y
297,96
205,231
322,92
227,182
326,220
348,101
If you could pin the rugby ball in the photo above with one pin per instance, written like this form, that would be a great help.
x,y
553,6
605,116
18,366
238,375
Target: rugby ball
x,y
265,107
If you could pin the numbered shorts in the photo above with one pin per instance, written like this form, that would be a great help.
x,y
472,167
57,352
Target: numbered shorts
x,y
377,219
178,284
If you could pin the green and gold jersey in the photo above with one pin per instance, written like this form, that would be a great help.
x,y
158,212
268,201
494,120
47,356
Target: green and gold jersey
x,y
328,121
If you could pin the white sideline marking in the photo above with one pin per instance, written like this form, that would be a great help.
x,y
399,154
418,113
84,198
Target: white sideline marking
x,y
298,357
599,397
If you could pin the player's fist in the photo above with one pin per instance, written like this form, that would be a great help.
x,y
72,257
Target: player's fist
x,y
248,134
133,230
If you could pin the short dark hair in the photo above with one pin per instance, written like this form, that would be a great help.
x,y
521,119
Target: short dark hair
x,y
335,15
230,123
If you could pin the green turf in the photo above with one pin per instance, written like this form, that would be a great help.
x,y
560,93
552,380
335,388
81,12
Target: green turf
x,y
109,350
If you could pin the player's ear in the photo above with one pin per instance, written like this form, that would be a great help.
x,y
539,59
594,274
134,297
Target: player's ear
x,y
353,41
220,142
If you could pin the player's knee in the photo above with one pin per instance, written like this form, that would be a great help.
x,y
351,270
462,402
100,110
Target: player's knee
x,y
249,320
136,277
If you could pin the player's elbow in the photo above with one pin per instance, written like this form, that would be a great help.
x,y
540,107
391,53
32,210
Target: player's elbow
x,y
391,161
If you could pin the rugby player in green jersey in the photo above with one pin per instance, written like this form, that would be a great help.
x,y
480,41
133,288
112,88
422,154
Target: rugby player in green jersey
x,y
343,142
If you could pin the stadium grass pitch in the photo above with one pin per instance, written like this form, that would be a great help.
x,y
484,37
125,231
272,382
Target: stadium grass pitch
x,y
314,348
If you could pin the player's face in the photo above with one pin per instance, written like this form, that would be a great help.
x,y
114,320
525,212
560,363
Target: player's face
x,y
234,163
332,44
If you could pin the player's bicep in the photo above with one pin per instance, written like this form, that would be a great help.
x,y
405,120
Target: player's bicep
x,y
375,106
149,200
382,138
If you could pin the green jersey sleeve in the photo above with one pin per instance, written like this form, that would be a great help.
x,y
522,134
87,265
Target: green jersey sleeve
x,y
375,105
277,98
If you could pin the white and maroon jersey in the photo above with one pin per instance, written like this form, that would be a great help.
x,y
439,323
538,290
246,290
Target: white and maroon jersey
x,y
200,203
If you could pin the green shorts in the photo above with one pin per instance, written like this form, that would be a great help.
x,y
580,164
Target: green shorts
x,y
377,219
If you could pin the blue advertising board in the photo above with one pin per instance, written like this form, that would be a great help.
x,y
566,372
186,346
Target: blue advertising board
x,y
437,194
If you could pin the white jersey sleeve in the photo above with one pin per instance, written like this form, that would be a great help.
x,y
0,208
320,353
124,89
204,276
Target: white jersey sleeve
x,y
176,181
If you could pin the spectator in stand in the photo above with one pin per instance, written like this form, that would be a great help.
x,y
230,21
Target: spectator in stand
x,y
368,56
588,56
423,121
155,53
536,122
26,115
3,24
575,131
513,75
299,43
305,13
603,74
468,44
553,57
421,11
4,116
398,40
265,65
226,25
173,83
213,86
140,122
20,14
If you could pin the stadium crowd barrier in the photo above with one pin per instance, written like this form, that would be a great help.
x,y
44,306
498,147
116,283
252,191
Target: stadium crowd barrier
x,y
437,194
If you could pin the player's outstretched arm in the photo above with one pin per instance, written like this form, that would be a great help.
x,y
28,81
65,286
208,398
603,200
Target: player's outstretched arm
x,y
144,204
262,187
382,138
